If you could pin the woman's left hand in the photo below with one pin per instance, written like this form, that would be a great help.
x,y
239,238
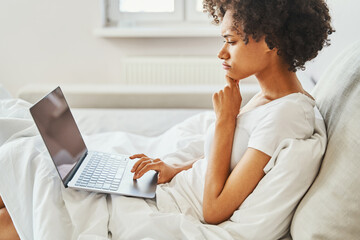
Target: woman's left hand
x,y
227,102
145,164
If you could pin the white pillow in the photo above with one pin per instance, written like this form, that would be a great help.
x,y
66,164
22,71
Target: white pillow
x,y
330,210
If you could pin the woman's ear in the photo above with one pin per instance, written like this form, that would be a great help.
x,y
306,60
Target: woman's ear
x,y
272,51
264,45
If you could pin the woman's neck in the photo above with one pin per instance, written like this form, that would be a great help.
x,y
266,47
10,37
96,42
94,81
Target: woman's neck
x,y
277,81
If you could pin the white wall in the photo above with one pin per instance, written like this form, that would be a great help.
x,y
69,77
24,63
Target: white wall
x,y
52,42
345,18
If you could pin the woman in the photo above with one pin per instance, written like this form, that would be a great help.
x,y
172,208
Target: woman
x,y
271,40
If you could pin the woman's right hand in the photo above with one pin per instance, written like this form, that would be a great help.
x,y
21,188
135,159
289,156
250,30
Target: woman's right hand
x,y
227,101
144,164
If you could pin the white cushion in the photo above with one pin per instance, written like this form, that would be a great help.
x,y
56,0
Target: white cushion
x,y
330,209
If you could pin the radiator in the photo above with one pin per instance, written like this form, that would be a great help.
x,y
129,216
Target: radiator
x,y
172,71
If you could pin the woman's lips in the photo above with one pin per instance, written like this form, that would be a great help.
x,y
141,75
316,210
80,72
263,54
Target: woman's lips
x,y
226,67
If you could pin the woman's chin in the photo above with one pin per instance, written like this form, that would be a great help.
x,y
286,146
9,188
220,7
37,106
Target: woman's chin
x,y
238,76
230,75
235,77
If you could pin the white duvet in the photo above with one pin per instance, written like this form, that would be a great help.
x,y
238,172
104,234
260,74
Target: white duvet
x,y
42,208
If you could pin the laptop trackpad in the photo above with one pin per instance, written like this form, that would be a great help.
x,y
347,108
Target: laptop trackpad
x,y
142,187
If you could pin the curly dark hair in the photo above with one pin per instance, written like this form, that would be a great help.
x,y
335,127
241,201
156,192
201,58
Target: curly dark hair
x,y
298,29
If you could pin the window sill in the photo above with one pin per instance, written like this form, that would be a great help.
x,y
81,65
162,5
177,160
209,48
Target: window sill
x,y
153,32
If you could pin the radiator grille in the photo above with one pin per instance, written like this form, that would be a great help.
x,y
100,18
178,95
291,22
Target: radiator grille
x,y
172,71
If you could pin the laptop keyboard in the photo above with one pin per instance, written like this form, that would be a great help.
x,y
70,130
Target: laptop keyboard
x,y
103,171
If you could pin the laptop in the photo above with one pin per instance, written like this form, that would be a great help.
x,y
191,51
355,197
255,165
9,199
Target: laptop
x,y
78,167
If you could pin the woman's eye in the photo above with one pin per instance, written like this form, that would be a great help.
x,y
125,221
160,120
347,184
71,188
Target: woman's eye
x,y
230,42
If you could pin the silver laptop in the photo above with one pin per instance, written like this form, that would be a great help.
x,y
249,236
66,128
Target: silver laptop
x,y
79,168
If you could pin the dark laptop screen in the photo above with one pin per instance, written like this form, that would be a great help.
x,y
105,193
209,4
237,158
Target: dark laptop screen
x,y
59,131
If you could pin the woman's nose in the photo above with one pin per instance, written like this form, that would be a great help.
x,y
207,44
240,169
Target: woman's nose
x,y
223,54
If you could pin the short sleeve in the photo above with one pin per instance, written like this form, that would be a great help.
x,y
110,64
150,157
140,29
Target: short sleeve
x,y
285,121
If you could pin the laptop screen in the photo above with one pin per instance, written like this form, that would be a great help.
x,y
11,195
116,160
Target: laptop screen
x,y
59,131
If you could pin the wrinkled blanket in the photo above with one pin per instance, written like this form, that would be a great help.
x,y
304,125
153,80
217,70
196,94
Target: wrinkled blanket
x,y
42,208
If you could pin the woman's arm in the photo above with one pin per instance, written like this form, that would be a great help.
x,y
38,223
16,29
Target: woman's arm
x,y
224,192
184,166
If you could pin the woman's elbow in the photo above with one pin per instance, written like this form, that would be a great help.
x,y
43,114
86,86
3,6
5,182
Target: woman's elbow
x,y
213,216
212,220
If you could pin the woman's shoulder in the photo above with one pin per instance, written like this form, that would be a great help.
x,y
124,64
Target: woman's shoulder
x,y
292,105
290,117
290,111
294,114
293,101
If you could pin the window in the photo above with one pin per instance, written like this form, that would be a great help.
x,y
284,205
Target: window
x,y
130,13
146,6
135,12
194,11
155,18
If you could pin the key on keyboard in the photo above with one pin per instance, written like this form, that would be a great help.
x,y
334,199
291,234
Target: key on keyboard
x,y
103,171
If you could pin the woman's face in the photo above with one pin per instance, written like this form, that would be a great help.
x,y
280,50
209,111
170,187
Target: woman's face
x,y
240,60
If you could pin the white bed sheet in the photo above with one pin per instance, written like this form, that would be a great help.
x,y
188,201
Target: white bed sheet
x,y
42,208
145,122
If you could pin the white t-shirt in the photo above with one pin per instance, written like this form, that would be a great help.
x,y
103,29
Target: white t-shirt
x,y
262,128
265,126
266,213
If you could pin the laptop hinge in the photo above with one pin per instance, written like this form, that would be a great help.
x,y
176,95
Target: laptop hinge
x,y
71,174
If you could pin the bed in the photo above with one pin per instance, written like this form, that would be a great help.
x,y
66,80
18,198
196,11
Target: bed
x,y
41,208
